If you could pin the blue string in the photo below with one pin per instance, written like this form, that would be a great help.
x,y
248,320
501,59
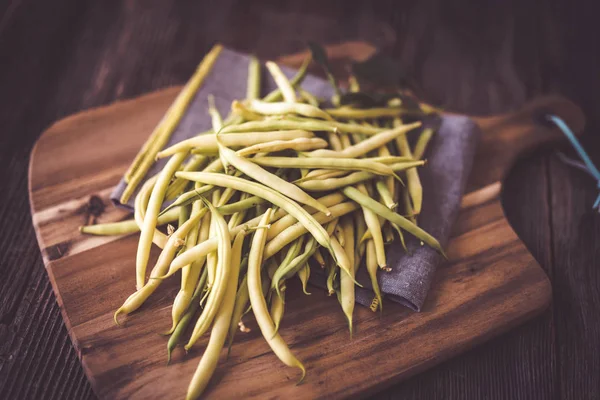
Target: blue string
x,y
591,168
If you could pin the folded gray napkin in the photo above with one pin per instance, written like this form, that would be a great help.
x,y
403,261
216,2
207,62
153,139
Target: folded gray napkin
x,y
444,177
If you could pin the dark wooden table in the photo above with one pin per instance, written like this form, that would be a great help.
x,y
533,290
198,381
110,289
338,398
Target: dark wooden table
x,y
60,57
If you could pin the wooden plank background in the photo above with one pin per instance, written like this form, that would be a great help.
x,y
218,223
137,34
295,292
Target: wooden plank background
x,y
64,56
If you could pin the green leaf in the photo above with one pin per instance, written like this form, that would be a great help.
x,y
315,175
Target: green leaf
x,y
381,70
320,57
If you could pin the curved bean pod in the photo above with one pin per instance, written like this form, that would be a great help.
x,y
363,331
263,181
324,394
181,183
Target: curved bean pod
x,y
207,143
299,144
367,145
372,270
253,86
338,127
288,92
276,95
270,108
280,125
222,279
304,276
277,308
150,219
259,305
210,358
141,202
327,184
347,288
125,227
346,164
159,138
370,113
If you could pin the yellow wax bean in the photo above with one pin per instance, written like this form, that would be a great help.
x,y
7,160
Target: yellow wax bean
x,y
288,92
207,143
259,304
307,110
367,145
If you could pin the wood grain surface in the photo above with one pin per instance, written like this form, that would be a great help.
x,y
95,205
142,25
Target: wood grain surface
x,y
490,284
68,55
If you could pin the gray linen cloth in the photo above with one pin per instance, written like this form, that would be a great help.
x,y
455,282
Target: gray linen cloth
x,y
444,177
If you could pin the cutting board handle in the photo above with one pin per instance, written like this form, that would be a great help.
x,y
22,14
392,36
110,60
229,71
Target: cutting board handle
x,y
511,135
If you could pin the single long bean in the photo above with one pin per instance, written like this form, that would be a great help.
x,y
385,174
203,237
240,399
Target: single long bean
x,y
367,145
259,305
337,127
361,227
141,202
346,164
253,86
422,143
319,258
242,298
277,308
413,182
279,124
384,151
126,227
210,358
347,300
288,92
207,143
321,174
370,113
372,270
151,218
299,144
242,205
297,80
334,141
384,193
306,110
304,276
331,275
321,185
221,283
142,164
374,228
215,116
241,110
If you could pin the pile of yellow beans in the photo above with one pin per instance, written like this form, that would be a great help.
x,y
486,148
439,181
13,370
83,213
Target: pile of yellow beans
x,y
281,183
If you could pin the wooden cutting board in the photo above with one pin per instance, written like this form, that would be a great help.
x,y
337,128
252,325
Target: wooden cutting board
x,y
490,284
